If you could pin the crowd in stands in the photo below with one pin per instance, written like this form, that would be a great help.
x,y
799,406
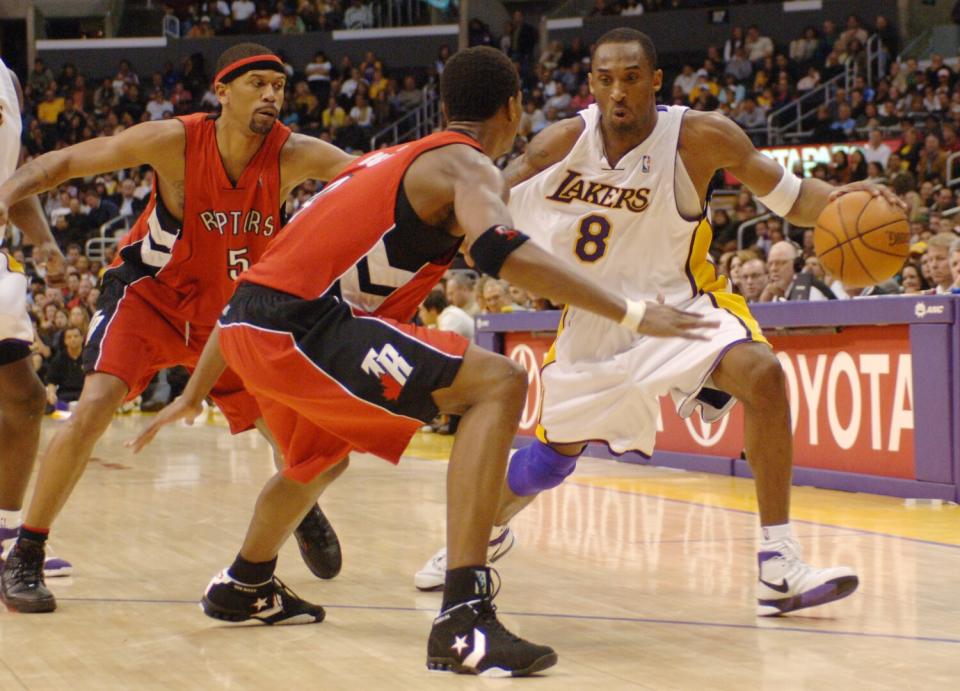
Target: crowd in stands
x,y
900,130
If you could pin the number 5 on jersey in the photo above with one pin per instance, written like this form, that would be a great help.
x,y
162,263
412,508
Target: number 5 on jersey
x,y
592,238
237,262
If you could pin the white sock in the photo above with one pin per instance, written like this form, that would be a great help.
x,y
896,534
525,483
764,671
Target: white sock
x,y
771,534
9,519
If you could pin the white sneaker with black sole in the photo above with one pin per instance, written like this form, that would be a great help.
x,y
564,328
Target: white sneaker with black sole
x,y
433,574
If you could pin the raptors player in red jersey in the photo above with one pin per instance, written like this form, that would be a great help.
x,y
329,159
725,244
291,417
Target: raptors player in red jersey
x,y
220,181
318,333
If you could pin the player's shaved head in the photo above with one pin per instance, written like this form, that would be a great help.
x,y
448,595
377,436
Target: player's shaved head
x,y
624,35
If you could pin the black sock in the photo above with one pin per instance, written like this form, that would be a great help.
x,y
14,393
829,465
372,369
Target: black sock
x,y
252,573
465,583
38,535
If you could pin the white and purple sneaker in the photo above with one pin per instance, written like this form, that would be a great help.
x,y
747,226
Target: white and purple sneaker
x,y
434,573
53,567
786,583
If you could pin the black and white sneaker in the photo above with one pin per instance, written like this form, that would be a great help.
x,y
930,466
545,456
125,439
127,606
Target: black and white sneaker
x,y
21,585
271,602
319,545
467,638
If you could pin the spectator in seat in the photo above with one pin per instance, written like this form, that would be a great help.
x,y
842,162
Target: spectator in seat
x,y
437,312
333,115
875,150
739,66
128,204
758,47
955,266
50,108
461,291
911,281
686,80
786,283
938,255
203,29
583,99
560,101
750,116
753,279
159,106
932,161
409,97
101,210
844,126
943,200
804,48
735,41
65,373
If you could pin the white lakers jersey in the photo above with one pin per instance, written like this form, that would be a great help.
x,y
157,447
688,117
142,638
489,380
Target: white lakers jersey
x,y
621,224
10,128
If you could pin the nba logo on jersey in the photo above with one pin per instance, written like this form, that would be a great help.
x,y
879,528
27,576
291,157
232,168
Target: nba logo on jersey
x,y
645,164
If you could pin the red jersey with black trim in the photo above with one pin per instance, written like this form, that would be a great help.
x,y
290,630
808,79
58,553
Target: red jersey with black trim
x,y
189,268
360,240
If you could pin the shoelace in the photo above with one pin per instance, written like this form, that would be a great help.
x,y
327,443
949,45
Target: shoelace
x,y
487,611
27,568
286,595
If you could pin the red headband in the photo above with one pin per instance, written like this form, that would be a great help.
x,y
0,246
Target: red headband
x,y
244,65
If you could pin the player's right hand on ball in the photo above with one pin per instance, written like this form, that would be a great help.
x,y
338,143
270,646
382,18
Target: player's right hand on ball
x,y
661,320
181,409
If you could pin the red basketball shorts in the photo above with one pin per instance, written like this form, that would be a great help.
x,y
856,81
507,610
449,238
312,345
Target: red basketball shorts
x,y
132,339
329,381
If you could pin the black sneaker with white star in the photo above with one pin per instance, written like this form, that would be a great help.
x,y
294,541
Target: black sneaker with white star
x,y
271,602
467,638
319,545
21,585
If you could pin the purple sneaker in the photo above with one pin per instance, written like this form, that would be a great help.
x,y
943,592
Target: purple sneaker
x,y
53,567
786,583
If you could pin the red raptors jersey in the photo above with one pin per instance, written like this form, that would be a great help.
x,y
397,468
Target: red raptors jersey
x,y
189,268
359,238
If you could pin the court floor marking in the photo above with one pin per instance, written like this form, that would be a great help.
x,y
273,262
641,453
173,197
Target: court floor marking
x,y
576,617
586,483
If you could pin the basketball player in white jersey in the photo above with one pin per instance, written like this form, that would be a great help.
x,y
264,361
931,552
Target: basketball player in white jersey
x,y
22,396
620,191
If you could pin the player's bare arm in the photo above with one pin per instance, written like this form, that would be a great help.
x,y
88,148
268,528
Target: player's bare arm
x,y
159,144
189,404
478,193
304,158
548,147
711,141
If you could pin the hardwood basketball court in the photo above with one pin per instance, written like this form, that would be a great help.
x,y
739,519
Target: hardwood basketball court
x,y
639,577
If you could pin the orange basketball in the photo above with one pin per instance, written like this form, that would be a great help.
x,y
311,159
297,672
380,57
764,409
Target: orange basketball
x,y
862,239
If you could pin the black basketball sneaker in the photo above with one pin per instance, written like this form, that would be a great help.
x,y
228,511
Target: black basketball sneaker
x,y
271,602
21,584
467,638
319,545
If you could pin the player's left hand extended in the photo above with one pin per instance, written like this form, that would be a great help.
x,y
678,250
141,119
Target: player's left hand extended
x,y
661,320
181,409
873,188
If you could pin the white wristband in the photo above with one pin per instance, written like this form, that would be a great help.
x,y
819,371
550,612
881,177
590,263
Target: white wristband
x,y
782,197
636,309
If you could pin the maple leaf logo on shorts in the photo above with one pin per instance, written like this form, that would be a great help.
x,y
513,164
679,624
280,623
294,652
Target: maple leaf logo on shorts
x,y
391,387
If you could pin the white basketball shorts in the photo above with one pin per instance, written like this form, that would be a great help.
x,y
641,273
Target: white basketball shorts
x,y
603,383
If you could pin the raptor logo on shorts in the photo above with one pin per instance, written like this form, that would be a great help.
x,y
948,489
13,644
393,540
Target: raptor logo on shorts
x,y
390,368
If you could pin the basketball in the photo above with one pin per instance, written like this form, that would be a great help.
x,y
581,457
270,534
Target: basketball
x,y
862,239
